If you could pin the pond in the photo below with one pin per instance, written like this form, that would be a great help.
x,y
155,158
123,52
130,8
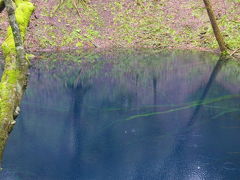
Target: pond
x,y
127,115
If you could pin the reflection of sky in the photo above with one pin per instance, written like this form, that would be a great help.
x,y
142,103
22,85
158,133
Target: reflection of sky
x,y
83,131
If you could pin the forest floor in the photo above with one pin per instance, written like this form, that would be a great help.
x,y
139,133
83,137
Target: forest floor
x,y
181,24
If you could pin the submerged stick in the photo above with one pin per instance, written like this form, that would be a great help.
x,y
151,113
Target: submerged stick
x,y
200,103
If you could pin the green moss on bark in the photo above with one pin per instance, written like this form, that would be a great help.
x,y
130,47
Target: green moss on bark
x,y
14,78
24,10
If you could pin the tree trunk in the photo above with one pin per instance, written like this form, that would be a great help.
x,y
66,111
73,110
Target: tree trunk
x,y
18,40
215,27
2,5
14,78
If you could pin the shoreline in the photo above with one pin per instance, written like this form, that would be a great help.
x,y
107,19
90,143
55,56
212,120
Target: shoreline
x,y
65,49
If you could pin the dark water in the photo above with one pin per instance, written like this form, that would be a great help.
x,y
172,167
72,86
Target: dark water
x,y
130,116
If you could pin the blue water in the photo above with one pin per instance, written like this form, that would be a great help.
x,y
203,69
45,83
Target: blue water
x,y
131,116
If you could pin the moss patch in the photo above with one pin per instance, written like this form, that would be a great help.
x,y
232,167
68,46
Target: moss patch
x,y
24,10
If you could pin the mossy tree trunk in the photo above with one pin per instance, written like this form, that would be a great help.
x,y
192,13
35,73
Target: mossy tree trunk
x,y
15,75
215,27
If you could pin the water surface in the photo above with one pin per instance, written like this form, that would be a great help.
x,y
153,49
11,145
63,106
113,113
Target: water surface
x,y
128,116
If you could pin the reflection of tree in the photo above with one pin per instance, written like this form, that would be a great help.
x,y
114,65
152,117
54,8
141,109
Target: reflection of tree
x,y
212,78
154,90
180,144
77,89
109,86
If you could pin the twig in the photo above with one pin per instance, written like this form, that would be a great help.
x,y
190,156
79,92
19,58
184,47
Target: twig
x,y
58,6
75,6
234,52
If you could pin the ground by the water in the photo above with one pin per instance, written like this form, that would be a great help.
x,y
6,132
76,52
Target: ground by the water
x,y
128,116
182,24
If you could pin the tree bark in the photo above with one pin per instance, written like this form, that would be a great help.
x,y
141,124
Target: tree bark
x,y
215,27
2,5
15,75
18,40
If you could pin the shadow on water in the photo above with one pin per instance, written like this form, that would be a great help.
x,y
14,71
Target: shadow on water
x,y
187,130
212,77
128,115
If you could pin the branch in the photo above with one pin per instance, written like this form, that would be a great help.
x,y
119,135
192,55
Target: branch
x,y
235,51
75,6
16,32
